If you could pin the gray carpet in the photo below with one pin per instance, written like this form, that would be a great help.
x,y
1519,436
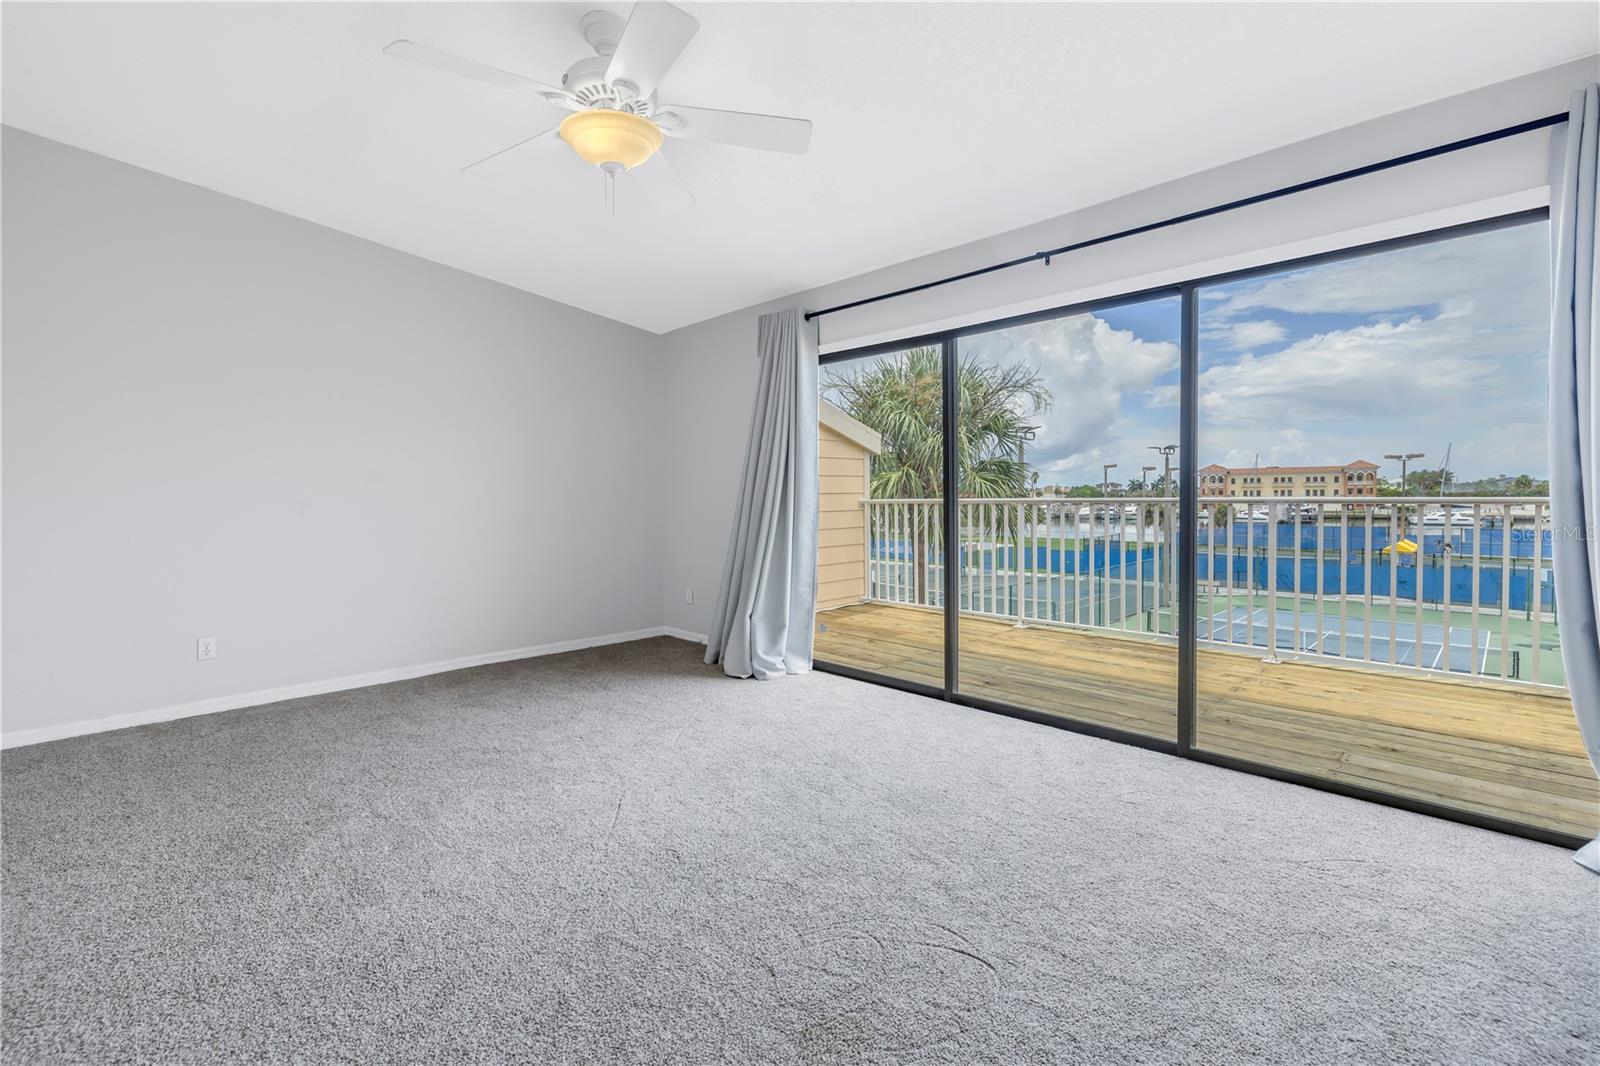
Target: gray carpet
x,y
620,856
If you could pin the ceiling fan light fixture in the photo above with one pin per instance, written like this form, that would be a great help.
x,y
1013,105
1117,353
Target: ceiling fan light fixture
x,y
611,140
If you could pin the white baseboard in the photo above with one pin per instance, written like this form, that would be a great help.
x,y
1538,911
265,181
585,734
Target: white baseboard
x,y
215,704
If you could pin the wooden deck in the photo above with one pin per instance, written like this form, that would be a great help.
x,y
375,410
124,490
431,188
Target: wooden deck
x,y
1497,749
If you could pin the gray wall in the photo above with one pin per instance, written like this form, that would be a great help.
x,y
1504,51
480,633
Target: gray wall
x,y
712,369
333,457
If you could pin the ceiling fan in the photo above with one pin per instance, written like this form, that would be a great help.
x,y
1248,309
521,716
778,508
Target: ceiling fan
x,y
616,123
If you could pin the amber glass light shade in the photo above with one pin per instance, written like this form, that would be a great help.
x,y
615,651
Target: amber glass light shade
x,y
602,137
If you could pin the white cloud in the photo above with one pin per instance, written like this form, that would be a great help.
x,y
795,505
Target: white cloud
x,y
1487,272
1288,447
1357,393
1451,352
1089,368
1242,336
1371,370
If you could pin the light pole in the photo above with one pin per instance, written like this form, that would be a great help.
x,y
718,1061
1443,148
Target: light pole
x,y
1144,476
1166,451
1024,435
1105,477
1395,521
1404,457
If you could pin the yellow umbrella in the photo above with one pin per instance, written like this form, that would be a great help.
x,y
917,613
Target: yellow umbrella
x,y
1403,546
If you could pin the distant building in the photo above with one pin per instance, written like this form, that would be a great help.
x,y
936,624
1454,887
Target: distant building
x,y
1487,486
1502,485
1359,478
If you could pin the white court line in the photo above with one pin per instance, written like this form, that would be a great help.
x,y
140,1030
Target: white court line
x,y
1408,650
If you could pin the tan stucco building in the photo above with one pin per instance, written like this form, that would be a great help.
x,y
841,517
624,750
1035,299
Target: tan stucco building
x,y
1359,478
845,448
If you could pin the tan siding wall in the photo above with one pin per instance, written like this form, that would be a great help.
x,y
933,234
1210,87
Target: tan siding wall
x,y
842,544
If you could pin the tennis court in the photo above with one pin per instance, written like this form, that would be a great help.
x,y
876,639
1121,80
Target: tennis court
x,y
1413,645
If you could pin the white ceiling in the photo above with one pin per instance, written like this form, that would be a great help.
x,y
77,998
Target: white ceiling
x,y
935,124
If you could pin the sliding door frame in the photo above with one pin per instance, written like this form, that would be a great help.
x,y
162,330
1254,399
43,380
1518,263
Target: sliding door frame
x,y
952,519
1188,294
1188,489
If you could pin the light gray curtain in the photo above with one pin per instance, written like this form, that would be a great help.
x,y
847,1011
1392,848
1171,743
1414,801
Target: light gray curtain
x,y
762,625
1575,419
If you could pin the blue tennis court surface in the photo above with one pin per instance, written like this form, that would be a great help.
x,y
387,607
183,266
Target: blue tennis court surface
x,y
1244,626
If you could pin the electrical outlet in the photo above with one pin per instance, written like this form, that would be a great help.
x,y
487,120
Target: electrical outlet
x,y
205,648
688,595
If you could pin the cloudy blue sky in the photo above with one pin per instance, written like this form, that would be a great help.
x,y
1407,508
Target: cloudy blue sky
x,y
1413,350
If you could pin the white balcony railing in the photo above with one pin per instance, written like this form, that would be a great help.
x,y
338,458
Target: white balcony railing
x,y
1456,585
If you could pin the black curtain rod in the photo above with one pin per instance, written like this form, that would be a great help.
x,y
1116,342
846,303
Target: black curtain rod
x,y
1287,190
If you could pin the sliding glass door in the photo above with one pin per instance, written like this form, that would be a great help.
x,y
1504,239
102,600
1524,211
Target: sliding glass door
x,y
1066,431
880,475
1293,520
1375,598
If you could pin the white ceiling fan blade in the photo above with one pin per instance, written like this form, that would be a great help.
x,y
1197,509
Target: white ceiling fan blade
x,y
657,182
515,159
412,52
655,36
771,133
542,170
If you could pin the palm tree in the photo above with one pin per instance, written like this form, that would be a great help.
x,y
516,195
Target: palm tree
x,y
902,398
